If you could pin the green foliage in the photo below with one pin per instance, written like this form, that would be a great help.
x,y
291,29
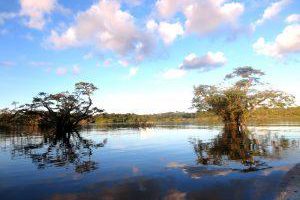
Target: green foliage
x,y
234,103
258,116
63,111
135,119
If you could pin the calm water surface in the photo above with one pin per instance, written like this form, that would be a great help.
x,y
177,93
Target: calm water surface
x,y
178,162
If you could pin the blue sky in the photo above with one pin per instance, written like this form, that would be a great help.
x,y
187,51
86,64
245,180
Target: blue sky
x,y
144,55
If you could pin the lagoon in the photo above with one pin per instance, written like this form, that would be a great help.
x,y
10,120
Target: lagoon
x,y
163,162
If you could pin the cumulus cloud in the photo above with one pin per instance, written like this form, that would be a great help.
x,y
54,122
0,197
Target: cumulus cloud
x,y
106,27
204,16
285,43
37,11
294,18
6,16
167,31
65,40
173,73
168,8
206,62
271,11
152,25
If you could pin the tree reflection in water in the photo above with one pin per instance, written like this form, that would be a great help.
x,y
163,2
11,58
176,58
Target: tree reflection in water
x,y
60,150
241,146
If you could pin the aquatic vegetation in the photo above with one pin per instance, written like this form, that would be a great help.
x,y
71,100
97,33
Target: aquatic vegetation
x,y
235,102
63,112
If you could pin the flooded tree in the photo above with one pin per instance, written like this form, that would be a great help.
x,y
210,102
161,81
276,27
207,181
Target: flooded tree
x,y
244,93
64,111
55,150
59,144
230,145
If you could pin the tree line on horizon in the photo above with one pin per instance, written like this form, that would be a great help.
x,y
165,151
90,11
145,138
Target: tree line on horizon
x,y
260,115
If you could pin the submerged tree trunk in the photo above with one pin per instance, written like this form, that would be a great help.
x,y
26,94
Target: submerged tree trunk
x,y
234,124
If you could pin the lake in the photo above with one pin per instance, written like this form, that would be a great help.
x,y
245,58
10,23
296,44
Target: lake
x,y
165,162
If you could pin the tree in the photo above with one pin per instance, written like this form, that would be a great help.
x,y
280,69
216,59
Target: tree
x,y
52,150
63,111
235,102
5,116
246,148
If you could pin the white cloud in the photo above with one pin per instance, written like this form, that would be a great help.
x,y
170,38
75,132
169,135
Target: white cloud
x,y
204,16
152,25
173,73
76,70
133,71
206,62
106,27
286,42
295,18
65,40
61,71
37,11
6,16
167,8
271,11
167,31
261,47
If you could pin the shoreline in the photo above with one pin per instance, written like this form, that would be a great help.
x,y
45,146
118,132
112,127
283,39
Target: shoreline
x,y
290,185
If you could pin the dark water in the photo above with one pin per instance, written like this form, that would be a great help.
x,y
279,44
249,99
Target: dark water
x,y
187,162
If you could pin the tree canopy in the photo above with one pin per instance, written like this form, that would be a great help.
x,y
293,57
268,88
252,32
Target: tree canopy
x,y
63,111
244,93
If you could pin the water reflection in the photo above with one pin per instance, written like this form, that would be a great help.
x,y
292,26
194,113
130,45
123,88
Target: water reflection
x,y
155,163
61,150
130,189
242,146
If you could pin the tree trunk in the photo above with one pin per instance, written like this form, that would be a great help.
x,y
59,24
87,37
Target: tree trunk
x,y
235,124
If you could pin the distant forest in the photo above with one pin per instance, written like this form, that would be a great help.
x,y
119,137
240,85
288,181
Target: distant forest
x,y
261,115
